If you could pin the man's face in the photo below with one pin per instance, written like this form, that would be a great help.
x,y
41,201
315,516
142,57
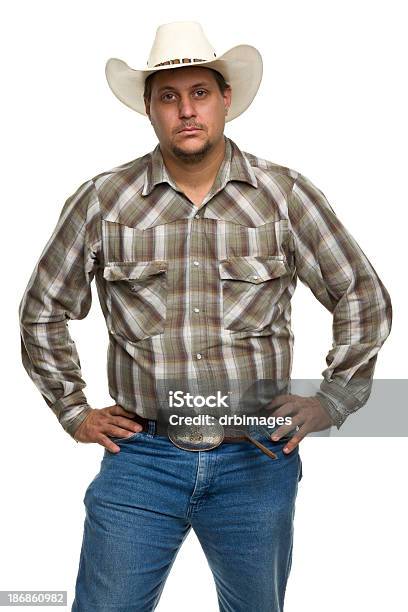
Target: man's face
x,y
187,97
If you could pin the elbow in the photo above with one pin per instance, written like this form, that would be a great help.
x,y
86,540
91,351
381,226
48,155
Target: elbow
x,y
386,315
389,314
26,310
22,311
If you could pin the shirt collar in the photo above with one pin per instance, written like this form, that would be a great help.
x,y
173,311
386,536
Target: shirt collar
x,y
234,167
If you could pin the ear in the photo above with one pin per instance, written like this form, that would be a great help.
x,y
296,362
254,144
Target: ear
x,y
227,99
147,109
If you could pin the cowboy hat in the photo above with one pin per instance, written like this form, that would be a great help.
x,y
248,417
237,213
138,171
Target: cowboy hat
x,y
183,43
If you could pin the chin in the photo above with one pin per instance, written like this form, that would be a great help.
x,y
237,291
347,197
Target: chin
x,y
193,146
193,152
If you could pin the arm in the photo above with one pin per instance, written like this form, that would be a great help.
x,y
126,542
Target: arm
x,y
59,289
331,263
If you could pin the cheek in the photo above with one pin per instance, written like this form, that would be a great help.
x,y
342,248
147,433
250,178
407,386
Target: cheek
x,y
216,120
163,123
160,115
169,121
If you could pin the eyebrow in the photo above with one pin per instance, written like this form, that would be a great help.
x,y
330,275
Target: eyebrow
x,y
202,84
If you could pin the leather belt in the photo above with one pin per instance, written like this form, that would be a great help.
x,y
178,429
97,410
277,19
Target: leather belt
x,y
201,438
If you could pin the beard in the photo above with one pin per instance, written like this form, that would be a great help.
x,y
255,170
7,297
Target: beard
x,y
192,157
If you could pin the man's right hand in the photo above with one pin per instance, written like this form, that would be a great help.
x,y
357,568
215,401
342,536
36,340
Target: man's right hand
x,y
103,422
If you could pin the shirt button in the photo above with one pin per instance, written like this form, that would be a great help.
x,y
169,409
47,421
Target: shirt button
x,y
196,310
196,216
255,277
196,263
198,355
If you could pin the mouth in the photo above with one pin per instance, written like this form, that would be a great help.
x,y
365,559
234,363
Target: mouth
x,y
189,130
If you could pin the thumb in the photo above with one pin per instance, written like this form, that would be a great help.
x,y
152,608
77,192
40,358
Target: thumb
x,y
119,411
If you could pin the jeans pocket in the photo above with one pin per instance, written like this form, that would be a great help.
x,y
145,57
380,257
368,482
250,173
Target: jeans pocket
x,y
126,438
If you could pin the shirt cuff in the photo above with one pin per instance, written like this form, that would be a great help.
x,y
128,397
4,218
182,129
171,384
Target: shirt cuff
x,y
339,402
73,418
71,411
337,418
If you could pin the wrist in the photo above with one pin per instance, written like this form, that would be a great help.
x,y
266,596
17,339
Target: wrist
x,y
72,424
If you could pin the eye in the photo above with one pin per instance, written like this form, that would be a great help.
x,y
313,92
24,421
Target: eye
x,y
165,95
202,91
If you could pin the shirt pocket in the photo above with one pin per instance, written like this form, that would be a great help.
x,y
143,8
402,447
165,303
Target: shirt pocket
x,y
250,288
137,298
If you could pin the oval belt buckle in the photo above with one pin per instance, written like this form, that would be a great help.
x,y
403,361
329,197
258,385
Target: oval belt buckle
x,y
196,437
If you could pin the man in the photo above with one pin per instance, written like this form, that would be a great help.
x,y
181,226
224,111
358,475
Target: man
x,y
196,248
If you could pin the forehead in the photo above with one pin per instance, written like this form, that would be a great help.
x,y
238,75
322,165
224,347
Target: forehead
x,y
182,77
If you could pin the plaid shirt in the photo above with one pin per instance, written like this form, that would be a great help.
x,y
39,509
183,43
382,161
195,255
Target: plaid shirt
x,y
189,292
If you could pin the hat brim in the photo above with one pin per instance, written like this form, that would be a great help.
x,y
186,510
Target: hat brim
x,y
241,67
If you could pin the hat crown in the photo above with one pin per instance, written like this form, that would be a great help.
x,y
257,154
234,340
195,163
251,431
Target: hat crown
x,y
180,42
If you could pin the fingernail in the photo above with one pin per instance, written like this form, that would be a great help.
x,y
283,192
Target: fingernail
x,y
275,438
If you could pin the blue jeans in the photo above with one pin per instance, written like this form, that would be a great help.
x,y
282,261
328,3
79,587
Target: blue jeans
x,y
145,499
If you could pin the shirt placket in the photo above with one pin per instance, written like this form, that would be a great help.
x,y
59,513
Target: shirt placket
x,y
198,269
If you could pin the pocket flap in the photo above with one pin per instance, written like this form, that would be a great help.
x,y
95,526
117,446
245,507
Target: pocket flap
x,y
131,270
253,269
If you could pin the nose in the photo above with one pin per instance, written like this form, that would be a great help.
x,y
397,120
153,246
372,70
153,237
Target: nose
x,y
186,107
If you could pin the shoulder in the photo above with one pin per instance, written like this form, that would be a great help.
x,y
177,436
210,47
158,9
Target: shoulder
x,y
265,168
128,171
117,184
300,192
297,181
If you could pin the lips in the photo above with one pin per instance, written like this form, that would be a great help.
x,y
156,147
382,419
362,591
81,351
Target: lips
x,y
190,130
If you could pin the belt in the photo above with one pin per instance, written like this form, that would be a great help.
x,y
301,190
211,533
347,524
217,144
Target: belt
x,y
201,438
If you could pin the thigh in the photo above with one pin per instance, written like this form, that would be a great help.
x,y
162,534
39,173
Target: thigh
x,y
132,533
245,526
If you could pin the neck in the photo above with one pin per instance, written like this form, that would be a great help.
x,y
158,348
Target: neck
x,y
199,175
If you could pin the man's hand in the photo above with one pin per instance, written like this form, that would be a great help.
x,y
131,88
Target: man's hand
x,y
103,422
307,413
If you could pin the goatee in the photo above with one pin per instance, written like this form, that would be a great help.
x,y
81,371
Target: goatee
x,y
193,157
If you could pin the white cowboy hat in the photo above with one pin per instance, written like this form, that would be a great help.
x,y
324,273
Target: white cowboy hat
x,y
183,43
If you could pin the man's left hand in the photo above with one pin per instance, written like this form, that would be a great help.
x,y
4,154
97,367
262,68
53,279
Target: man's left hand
x,y
307,413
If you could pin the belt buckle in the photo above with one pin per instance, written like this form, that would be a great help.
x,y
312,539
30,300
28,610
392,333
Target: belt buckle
x,y
196,437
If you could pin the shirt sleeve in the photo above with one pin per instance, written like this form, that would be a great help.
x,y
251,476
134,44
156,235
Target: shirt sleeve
x,y
59,289
331,263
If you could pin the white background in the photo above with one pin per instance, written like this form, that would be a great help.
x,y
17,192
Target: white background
x,y
332,105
